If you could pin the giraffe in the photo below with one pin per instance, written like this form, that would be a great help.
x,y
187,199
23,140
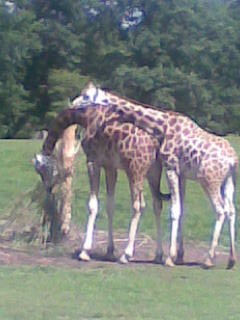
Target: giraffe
x,y
112,147
187,152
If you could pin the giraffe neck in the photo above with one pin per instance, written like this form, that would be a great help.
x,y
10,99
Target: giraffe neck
x,y
157,122
63,120
152,121
125,110
88,118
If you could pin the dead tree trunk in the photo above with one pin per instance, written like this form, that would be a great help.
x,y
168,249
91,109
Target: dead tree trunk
x,y
58,206
67,156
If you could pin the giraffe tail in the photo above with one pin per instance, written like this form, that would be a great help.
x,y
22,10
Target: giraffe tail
x,y
234,171
163,196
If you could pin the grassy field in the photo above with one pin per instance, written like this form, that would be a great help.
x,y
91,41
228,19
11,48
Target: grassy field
x,y
112,291
118,292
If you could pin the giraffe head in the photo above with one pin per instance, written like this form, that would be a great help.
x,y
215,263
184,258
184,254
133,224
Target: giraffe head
x,y
90,94
46,167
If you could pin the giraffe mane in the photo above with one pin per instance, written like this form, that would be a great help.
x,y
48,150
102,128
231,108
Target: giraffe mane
x,y
161,108
91,85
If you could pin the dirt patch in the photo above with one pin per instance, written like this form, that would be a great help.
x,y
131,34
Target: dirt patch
x,y
65,254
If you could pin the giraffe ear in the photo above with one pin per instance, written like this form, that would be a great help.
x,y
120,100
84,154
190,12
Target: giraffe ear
x,y
37,160
40,160
34,160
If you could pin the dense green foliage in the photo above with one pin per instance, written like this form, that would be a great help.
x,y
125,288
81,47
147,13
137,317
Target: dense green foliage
x,y
182,54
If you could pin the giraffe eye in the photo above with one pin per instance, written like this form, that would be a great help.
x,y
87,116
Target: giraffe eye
x,y
85,97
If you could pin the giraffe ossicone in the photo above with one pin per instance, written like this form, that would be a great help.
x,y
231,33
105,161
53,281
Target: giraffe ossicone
x,y
91,94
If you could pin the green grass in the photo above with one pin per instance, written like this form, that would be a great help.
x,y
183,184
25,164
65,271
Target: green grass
x,y
18,176
112,291
116,292
16,170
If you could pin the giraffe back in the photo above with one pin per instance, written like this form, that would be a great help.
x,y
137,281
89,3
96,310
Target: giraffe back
x,y
184,146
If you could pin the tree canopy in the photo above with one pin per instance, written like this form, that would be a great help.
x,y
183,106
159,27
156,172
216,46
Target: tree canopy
x,y
182,55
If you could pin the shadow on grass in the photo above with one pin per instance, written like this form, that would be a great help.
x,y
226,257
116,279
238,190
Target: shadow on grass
x,y
186,264
97,256
103,257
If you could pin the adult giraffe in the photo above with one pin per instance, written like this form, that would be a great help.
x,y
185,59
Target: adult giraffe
x,y
188,152
112,146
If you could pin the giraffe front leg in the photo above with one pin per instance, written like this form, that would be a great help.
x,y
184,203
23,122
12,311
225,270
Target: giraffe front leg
x,y
180,249
137,199
173,181
157,206
94,178
93,210
154,177
111,178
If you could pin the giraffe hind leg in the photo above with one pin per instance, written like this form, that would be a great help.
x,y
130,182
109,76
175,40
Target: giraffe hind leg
x,y
214,192
138,205
173,181
230,212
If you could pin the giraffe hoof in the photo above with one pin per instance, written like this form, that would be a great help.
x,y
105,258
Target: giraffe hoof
x,y
169,262
110,257
84,256
158,259
124,259
231,263
208,263
179,261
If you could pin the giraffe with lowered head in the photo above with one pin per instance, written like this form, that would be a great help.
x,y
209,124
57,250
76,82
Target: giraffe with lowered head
x,y
112,146
187,152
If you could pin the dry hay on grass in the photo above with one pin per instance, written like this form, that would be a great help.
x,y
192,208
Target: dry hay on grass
x,y
22,221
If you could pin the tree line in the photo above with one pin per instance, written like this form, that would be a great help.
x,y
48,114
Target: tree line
x,y
182,55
